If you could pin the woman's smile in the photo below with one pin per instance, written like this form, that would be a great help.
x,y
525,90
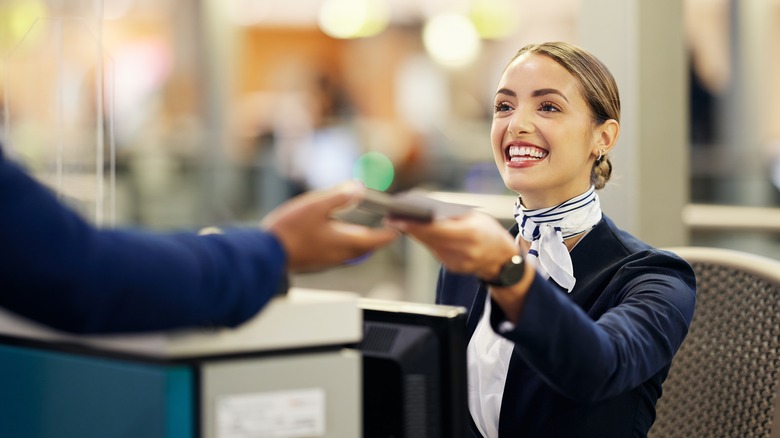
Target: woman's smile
x,y
520,155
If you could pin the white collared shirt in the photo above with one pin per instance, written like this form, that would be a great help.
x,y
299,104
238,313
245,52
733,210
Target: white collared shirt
x,y
488,356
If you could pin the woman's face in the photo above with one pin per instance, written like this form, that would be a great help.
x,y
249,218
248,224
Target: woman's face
x,y
543,135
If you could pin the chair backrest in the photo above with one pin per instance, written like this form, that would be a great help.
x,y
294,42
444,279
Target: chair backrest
x,y
724,380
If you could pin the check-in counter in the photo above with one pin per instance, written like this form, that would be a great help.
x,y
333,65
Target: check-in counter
x,y
288,372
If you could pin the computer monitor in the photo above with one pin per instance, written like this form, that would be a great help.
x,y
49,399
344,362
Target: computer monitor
x,y
414,370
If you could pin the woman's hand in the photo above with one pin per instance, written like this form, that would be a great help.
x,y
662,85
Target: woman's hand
x,y
477,244
474,243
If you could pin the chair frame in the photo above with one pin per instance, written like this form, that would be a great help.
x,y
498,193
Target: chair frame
x,y
757,265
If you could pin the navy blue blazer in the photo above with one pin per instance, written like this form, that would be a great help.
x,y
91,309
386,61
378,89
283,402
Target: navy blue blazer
x,y
61,271
590,363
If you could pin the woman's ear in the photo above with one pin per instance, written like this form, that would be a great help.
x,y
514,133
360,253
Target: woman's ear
x,y
606,136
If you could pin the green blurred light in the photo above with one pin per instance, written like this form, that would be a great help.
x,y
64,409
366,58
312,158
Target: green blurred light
x,y
375,170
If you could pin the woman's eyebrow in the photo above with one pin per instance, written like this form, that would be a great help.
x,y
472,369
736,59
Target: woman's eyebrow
x,y
546,91
506,91
536,93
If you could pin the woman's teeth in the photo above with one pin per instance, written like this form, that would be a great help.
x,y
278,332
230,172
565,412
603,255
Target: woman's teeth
x,y
523,153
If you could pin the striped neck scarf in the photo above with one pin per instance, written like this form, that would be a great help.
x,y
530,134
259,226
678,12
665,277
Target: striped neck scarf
x,y
546,228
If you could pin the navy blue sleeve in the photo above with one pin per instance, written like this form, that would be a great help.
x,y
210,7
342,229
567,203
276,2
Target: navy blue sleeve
x,y
589,360
59,270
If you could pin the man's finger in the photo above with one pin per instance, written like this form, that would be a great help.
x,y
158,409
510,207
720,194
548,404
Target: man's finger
x,y
335,197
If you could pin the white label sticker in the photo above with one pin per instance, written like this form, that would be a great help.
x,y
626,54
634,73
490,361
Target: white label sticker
x,y
279,414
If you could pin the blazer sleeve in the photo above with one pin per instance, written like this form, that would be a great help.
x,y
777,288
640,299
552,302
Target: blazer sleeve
x,y
590,360
59,270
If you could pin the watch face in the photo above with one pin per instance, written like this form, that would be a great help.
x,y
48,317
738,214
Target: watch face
x,y
511,273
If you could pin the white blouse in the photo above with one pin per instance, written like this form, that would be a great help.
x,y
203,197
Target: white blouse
x,y
488,357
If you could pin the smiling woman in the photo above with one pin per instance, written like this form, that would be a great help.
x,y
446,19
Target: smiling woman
x,y
576,339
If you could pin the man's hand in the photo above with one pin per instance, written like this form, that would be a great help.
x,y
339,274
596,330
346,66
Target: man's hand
x,y
314,240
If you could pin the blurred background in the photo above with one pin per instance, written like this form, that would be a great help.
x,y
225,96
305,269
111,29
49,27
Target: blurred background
x,y
178,114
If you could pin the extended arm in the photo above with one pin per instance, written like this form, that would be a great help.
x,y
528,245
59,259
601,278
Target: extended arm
x,y
585,357
589,360
59,270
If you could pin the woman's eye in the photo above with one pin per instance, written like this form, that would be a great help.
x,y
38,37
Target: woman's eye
x,y
549,107
501,107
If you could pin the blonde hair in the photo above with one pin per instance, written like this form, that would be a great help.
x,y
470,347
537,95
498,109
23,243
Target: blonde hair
x,y
597,85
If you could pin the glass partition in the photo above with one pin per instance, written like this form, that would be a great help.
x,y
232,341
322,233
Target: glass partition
x,y
58,118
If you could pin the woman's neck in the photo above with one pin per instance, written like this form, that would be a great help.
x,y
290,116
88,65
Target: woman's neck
x,y
570,243
537,200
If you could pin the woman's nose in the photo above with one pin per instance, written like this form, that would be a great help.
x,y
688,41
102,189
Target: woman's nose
x,y
520,123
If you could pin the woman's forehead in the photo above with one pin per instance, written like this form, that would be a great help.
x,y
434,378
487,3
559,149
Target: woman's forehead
x,y
532,70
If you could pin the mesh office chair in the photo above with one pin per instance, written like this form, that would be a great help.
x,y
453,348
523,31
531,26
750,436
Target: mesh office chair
x,y
724,380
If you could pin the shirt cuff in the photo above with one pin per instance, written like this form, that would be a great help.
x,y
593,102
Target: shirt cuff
x,y
498,320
